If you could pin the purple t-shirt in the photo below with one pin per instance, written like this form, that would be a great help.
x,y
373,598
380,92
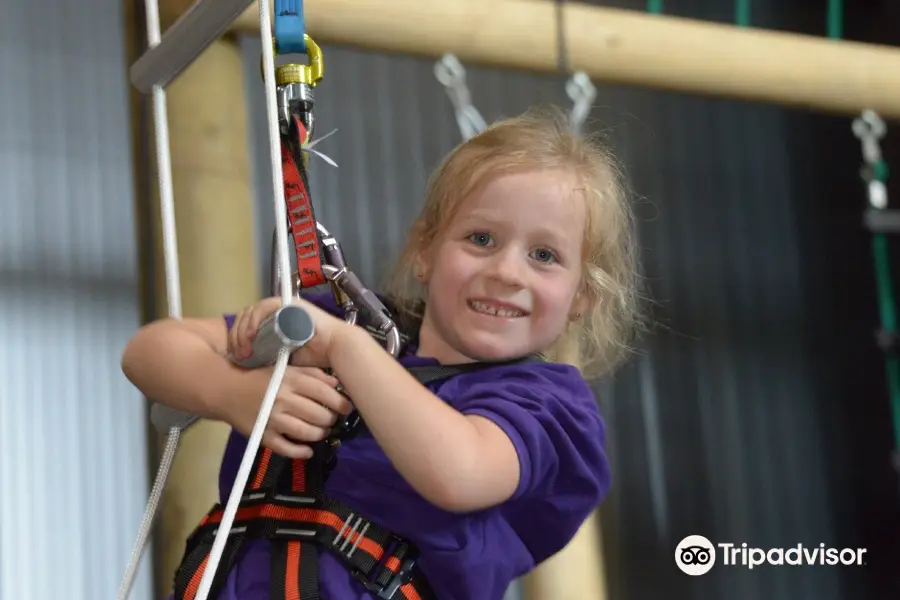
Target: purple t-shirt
x,y
549,413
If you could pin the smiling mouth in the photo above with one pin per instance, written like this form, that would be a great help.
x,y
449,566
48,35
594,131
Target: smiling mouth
x,y
495,310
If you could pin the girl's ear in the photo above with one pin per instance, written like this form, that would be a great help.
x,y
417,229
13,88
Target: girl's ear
x,y
423,271
580,305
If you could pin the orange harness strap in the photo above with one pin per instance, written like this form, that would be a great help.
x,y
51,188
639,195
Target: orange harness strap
x,y
284,504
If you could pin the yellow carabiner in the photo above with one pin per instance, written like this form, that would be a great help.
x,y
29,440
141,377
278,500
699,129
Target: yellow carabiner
x,y
309,74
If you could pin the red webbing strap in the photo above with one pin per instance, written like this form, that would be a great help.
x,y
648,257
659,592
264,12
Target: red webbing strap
x,y
300,213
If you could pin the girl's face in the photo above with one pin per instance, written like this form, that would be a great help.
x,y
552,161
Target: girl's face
x,y
504,277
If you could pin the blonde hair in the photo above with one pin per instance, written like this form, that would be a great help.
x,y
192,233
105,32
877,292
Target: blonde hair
x,y
539,139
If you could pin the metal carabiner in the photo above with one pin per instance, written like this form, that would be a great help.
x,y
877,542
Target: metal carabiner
x,y
294,83
348,290
334,256
368,303
582,93
309,74
870,128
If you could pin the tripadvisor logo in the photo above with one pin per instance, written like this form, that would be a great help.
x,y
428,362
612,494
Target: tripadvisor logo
x,y
696,555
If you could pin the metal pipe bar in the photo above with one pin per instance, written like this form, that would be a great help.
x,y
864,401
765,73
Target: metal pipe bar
x,y
198,27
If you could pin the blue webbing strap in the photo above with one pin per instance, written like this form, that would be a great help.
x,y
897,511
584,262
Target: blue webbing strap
x,y
289,27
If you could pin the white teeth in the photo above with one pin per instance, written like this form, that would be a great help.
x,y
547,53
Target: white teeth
x,y
487,309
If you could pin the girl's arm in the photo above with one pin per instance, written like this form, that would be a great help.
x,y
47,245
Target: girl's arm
x,y
182,363
460,463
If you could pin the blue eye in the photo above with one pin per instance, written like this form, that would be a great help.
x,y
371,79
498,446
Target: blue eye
x,y
543,255
480,239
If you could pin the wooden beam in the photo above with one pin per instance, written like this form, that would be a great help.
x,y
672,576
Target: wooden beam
x,y
620,47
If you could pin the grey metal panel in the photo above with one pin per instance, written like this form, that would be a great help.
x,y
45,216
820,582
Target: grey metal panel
x,y
73,463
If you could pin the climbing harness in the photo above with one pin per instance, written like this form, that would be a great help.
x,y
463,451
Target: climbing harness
x,y
285,505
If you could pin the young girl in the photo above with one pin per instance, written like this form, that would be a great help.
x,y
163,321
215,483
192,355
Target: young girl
x,y
523,248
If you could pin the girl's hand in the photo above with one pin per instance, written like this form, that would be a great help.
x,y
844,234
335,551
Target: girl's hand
x,y
307,403
306,407
314,353
246,325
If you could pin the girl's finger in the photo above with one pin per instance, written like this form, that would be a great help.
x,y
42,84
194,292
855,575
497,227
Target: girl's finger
x,y
257,314
240,333
308,411
297,429
316,373
320,392
233,333
280,445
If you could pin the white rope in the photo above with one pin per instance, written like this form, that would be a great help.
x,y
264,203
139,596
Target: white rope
x,y
173,294
159,485
582,93
451,74
265,410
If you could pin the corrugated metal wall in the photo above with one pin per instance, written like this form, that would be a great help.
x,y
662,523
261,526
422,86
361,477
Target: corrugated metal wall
x,y
755,411
73,464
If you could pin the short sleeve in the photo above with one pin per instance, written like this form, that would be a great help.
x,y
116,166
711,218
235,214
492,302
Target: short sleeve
x,y
551,415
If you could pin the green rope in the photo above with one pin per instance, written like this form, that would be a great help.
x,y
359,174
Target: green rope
x,y
655,7
742,13
835,19
880,251
888,314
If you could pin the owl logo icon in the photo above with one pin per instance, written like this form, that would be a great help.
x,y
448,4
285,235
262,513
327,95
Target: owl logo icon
x,y
695,555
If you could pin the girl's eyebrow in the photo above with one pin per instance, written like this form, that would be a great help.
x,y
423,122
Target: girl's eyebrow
x,y
480,216
553,233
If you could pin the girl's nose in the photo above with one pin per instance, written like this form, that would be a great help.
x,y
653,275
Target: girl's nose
x,y
508,268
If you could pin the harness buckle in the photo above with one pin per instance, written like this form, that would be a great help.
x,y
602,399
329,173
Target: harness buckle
x,y
388,591
347,427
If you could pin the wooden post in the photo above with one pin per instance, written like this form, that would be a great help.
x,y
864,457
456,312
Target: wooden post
x,y
619,46
214,215
575,573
